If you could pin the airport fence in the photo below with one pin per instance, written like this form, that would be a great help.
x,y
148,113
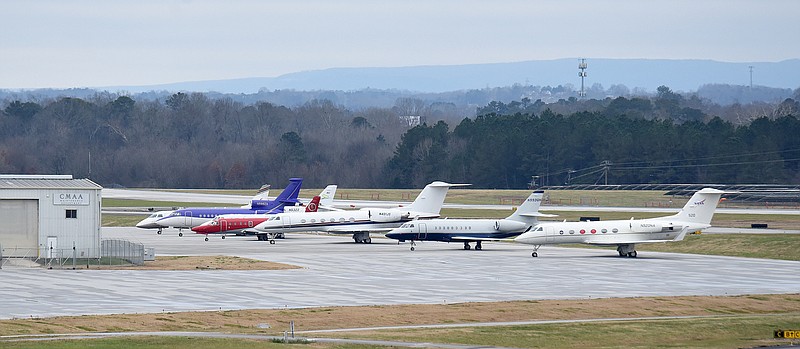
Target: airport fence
x,y
112,252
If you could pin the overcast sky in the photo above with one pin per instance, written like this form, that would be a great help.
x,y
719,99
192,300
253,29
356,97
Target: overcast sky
x,y
82,43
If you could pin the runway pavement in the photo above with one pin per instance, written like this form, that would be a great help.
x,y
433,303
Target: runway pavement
x,y
338,272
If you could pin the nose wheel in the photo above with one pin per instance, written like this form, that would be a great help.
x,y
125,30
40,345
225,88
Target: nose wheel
x,y
535,248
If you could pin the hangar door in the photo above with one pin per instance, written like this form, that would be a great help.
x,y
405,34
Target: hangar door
x,y
19,233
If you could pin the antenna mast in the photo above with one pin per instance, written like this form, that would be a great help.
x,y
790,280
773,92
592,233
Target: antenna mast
x,y
582,74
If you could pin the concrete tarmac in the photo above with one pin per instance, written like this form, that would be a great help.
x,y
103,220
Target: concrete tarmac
x,y
337,272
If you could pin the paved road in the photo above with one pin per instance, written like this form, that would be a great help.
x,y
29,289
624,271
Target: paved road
x,y
337,272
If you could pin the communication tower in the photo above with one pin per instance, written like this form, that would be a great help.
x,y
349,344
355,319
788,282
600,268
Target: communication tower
x,y
751,76
582,74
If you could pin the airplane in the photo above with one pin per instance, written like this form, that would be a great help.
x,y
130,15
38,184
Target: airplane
x,y
194,216
625,234
359,222
244,223
150,221
472,230
241,223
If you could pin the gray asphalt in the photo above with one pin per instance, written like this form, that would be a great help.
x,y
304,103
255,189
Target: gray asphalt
x,y
337,272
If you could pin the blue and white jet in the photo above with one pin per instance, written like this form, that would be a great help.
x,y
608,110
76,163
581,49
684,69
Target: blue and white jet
x,y
190,217
472,230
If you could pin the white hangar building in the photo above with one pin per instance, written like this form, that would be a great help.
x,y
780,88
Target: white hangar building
x,y
45,216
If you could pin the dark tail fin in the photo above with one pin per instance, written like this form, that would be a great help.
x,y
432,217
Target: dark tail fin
x,y
313,205
289,195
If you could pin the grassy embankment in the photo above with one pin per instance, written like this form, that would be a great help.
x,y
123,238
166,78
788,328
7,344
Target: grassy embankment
x,y
737,321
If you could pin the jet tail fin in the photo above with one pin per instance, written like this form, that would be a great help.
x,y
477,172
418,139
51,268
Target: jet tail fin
x,y
313,205
529,209
327,195
430,200
289,194
701,206
263,193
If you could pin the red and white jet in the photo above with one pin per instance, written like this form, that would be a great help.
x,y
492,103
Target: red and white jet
x,y
244,223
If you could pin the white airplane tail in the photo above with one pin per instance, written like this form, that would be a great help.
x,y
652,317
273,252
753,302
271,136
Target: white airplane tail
x,y
327,195
701,207
429,201
262,193
529,210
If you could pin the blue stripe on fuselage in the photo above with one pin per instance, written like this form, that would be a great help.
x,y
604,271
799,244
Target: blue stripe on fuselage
x,y
448,237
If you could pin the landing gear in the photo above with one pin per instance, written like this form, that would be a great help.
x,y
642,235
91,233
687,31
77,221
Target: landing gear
x,y
206,238
535,248
159,231
466,246
412,245
223,237
180,234
362,237
266,237
627,250
534,255
478,246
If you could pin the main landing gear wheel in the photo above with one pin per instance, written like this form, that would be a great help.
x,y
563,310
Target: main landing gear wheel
x,y
271,242
534,255
206,238
478,246
466,246
180,234
632,254
223,237
368,240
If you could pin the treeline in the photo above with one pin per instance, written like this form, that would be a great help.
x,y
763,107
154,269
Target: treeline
x,y
194,141
507,151
191,141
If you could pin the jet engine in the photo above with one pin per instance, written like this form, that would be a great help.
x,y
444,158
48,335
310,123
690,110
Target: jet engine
x,y
385,216
646,227
509,225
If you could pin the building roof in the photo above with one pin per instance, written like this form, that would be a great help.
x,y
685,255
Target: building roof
x,y
46,182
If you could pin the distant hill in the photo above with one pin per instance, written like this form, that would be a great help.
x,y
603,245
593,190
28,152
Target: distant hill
x,y
679,75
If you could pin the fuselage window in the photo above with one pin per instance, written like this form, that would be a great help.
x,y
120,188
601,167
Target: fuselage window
x,y
604,231
614,230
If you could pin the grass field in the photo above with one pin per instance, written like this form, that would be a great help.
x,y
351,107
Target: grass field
x,y
723,332
746,321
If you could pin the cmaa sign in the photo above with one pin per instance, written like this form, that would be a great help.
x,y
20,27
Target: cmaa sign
x,y
71,199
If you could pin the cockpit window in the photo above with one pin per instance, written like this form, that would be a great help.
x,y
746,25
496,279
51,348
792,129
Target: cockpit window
x,y
539,229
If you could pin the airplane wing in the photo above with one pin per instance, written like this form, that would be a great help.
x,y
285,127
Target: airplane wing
x,y
538,214
342,230
469,238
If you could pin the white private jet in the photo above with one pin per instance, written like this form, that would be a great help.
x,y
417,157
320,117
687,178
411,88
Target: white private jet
x,y
625,234
150,221
359,222
472,230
